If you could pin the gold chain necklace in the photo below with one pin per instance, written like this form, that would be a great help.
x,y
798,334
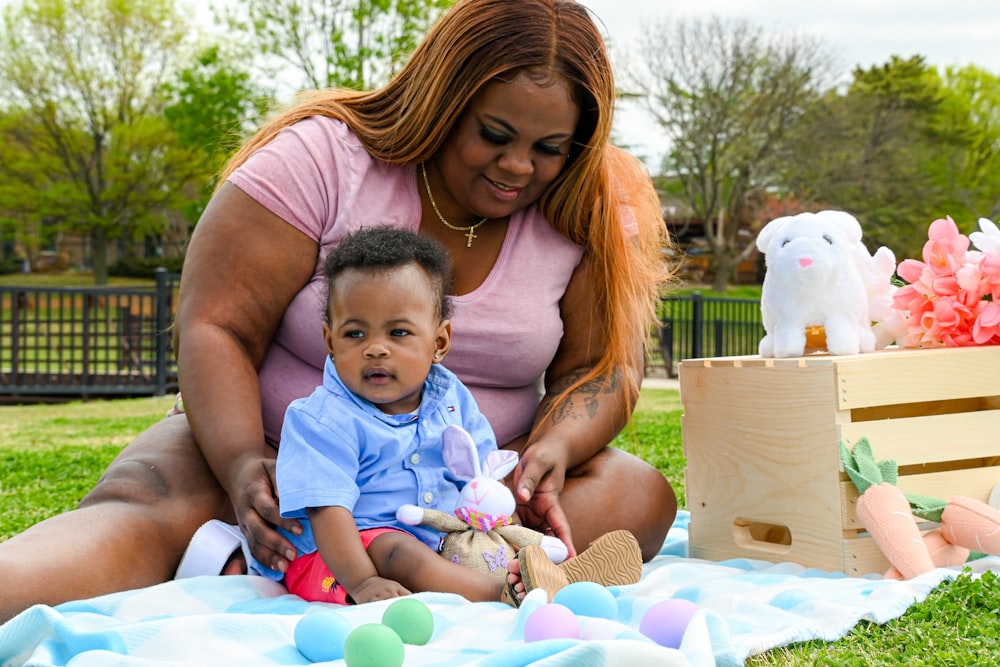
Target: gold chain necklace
x,y
469,230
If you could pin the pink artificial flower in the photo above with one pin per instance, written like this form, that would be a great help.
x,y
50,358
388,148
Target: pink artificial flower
x,y
989,269
987,326
952,298
910,270
945,249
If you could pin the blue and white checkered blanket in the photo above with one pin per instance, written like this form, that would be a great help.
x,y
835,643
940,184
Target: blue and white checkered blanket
x,y
744,607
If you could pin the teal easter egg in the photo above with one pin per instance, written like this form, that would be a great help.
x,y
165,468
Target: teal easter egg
x,y
585,598
411,619
373,645
320,636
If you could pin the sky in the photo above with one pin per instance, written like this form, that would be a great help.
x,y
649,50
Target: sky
x,y
858,32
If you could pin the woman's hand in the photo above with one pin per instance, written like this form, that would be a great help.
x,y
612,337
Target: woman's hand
x,y
257,511
538,482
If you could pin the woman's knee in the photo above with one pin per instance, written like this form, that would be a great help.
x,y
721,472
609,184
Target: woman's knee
x,y
662,510
162,465
625,492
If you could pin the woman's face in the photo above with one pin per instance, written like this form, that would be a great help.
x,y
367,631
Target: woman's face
x,y
506,148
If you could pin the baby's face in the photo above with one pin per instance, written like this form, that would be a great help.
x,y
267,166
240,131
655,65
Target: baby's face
x,y
384,334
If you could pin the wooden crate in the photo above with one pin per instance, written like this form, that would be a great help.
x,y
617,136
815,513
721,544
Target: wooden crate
x,y
764,478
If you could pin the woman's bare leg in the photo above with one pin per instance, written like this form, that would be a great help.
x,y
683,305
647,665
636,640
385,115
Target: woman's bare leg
x,y
616,490
129,531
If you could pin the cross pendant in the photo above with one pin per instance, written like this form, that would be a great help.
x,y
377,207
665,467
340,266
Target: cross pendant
x,y
471,235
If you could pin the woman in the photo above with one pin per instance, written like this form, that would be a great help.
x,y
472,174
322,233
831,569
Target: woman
x,y
493,139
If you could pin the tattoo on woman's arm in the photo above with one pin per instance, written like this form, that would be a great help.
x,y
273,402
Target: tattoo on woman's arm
x,y
587,395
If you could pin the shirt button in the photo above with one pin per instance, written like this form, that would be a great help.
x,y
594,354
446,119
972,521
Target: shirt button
x,y
415,458
428,497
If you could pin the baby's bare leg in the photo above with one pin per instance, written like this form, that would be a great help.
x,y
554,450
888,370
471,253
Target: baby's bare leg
x,y
414,565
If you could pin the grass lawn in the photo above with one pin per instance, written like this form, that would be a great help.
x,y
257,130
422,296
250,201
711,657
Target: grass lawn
x,y
67,279
52,454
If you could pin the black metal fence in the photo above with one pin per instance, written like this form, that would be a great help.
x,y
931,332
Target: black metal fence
x,y
87,342
83,342
697,326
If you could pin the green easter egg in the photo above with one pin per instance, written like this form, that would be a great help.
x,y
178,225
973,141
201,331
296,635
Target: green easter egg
x,y
411,619
373,645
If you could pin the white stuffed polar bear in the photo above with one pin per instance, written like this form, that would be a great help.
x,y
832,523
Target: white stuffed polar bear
x,y
819,273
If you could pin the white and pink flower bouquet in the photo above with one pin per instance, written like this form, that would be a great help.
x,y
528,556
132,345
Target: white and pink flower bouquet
x,y
952,297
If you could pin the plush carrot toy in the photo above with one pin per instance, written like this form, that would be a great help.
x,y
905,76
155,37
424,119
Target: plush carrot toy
x,y
966,524
885,511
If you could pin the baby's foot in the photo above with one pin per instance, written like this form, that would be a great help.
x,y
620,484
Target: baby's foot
x,y
513,592
237,564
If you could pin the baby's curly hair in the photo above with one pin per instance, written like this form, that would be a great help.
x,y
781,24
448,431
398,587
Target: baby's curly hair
x,y
382,248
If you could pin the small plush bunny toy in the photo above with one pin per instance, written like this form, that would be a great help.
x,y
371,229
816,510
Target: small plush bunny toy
x,y
815,278
479,535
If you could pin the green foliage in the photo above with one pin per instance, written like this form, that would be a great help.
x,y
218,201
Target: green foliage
x,y
355,44
901,147
726,93
9,266
212,106
144,267
970,112
83,83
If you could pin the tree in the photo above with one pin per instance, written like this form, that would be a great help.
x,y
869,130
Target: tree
x,y
333,43
899,147
726,93
971,109
86,79
22,187
212,106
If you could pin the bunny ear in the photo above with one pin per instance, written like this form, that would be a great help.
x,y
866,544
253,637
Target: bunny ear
x,y
844,221
499,463
460,453
769,231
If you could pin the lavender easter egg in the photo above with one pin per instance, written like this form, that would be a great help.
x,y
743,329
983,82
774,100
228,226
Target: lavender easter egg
x,y
666,621
551,621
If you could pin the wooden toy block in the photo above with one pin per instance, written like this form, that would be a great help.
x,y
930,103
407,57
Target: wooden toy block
x,y
764,478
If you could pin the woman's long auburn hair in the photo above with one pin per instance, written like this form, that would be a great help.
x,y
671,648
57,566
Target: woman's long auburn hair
x,y
479,41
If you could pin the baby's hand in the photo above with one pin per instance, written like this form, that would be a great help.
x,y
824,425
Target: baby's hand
x,y
377,588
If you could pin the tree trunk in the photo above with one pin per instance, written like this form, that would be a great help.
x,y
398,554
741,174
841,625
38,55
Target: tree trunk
x,y
724,265
99,255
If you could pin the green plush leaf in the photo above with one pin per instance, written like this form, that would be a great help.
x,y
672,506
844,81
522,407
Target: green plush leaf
x,y
864,458
926,507
861,466
847,458
889,470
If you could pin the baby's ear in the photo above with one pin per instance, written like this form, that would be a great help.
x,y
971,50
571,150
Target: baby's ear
x,y
442,341
460,453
